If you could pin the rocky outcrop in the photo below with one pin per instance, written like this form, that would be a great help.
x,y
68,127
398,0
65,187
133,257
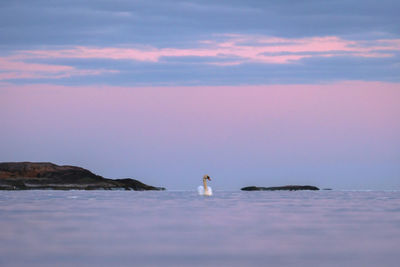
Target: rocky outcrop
x,y
44,175
286,187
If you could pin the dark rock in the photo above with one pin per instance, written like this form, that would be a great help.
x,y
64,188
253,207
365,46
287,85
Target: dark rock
x,y
286,187
44,175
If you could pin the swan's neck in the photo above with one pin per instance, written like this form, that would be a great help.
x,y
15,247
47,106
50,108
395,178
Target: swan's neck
x,y
205,185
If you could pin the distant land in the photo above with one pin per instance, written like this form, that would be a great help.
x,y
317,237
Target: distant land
x,y
46,175
286,187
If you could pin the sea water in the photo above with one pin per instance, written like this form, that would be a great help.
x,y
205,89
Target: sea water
x,y
127,228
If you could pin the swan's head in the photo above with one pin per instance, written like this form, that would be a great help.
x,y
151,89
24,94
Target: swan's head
x,y
206,177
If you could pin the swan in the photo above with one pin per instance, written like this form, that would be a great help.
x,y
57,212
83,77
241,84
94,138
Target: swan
x,y
206,190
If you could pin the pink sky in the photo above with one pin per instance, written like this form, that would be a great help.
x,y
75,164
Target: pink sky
x,y
226,130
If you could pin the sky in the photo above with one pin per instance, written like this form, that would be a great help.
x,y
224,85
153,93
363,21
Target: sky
x,y
260,93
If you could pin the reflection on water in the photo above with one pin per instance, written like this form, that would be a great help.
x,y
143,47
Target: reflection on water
x,y
126,228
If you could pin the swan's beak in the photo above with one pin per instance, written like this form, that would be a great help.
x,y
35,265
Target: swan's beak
x,y
209,178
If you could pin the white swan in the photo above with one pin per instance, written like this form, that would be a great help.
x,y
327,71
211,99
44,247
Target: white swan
x,y
206,190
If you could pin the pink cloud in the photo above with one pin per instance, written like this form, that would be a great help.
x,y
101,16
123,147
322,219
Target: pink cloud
x,y
8,64
12,69
242,48
232,49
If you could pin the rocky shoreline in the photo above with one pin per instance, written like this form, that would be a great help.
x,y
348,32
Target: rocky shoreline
x,y
45,175
278,188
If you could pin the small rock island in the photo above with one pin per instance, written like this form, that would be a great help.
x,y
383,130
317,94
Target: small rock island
x,y
277,188
45,175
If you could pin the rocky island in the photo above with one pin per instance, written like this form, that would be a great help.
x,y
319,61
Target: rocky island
x,y
286,187
45,175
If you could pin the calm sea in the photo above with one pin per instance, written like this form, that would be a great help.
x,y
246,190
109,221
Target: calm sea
x,y
127,228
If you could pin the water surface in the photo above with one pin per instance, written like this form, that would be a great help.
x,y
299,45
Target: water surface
x,y
127,228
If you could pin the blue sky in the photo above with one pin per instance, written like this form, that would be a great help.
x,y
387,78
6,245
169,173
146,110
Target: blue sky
x,y
147,25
